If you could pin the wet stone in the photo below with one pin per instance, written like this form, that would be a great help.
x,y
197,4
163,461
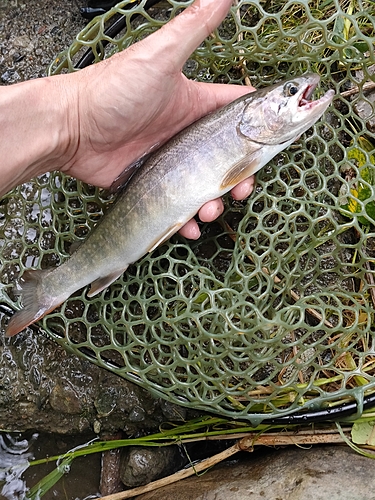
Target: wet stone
x,y
141,465
64,398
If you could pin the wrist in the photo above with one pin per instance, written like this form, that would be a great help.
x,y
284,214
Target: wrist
x,y
35,120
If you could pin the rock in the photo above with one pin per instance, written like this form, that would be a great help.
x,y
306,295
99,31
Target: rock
x,y
44,388
318,473
140,465
10,76
23,42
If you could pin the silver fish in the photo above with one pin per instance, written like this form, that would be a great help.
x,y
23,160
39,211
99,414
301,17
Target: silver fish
x,y
201,163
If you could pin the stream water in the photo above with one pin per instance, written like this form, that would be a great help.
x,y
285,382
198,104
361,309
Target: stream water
x,y
16,476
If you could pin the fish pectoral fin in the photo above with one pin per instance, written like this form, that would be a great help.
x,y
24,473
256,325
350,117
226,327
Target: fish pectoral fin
x,y
101,283
241,170
165,236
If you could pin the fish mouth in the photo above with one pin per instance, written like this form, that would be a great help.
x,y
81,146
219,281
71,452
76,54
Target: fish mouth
x,y
306,102
307,94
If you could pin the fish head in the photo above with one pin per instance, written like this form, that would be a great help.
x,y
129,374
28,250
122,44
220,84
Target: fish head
x,y
282,112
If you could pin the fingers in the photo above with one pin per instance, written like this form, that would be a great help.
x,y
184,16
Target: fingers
x,y
190,230
209,212
243,189
213,209
183,34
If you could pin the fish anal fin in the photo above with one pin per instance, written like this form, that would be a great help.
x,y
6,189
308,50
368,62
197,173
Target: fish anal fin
x,y
165,236
241,170
103,282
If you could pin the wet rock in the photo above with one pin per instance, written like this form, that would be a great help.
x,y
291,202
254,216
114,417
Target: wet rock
x,y
43,388
141,465
173,412
65,398
319,473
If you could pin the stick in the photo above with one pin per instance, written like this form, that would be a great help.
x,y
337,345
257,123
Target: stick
x,y
247,443
205,464
355,90
241,51
288,439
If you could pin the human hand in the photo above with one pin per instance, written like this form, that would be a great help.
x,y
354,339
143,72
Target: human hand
x,y
139,98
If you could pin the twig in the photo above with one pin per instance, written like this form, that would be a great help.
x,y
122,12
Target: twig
x,y
247,443
241,51
286,439
265,439
355,90
205,464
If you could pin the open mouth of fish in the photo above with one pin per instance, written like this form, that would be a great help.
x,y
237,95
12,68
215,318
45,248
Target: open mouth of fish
x,y
305,100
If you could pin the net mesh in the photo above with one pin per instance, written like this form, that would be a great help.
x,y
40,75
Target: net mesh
x,y
272,310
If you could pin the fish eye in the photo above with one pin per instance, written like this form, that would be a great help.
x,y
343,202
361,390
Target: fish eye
x,y
290,88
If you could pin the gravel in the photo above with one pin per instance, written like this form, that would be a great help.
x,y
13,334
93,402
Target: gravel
x,y
33,33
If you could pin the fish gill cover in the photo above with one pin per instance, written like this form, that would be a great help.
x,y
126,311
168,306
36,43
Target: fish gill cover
x,y
271,311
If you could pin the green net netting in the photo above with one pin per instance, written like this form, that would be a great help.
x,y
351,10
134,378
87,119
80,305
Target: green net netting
x,y
272,310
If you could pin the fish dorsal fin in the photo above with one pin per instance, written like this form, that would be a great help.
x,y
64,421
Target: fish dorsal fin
x,y
101,283
121,181
242,169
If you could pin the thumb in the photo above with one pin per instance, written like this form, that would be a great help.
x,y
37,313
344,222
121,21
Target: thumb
x,y
182,35
212,96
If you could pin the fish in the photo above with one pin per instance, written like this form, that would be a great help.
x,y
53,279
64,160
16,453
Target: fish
x,y
202,162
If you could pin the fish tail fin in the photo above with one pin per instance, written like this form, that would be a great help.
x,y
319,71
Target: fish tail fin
x,y
36,303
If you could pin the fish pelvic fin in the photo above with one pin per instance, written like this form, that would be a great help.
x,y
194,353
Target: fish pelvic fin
x,y
242,169
36,303
101,283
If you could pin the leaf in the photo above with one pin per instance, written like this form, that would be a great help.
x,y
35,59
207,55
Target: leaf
x,y
364,433
362,191
45,484
362,47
